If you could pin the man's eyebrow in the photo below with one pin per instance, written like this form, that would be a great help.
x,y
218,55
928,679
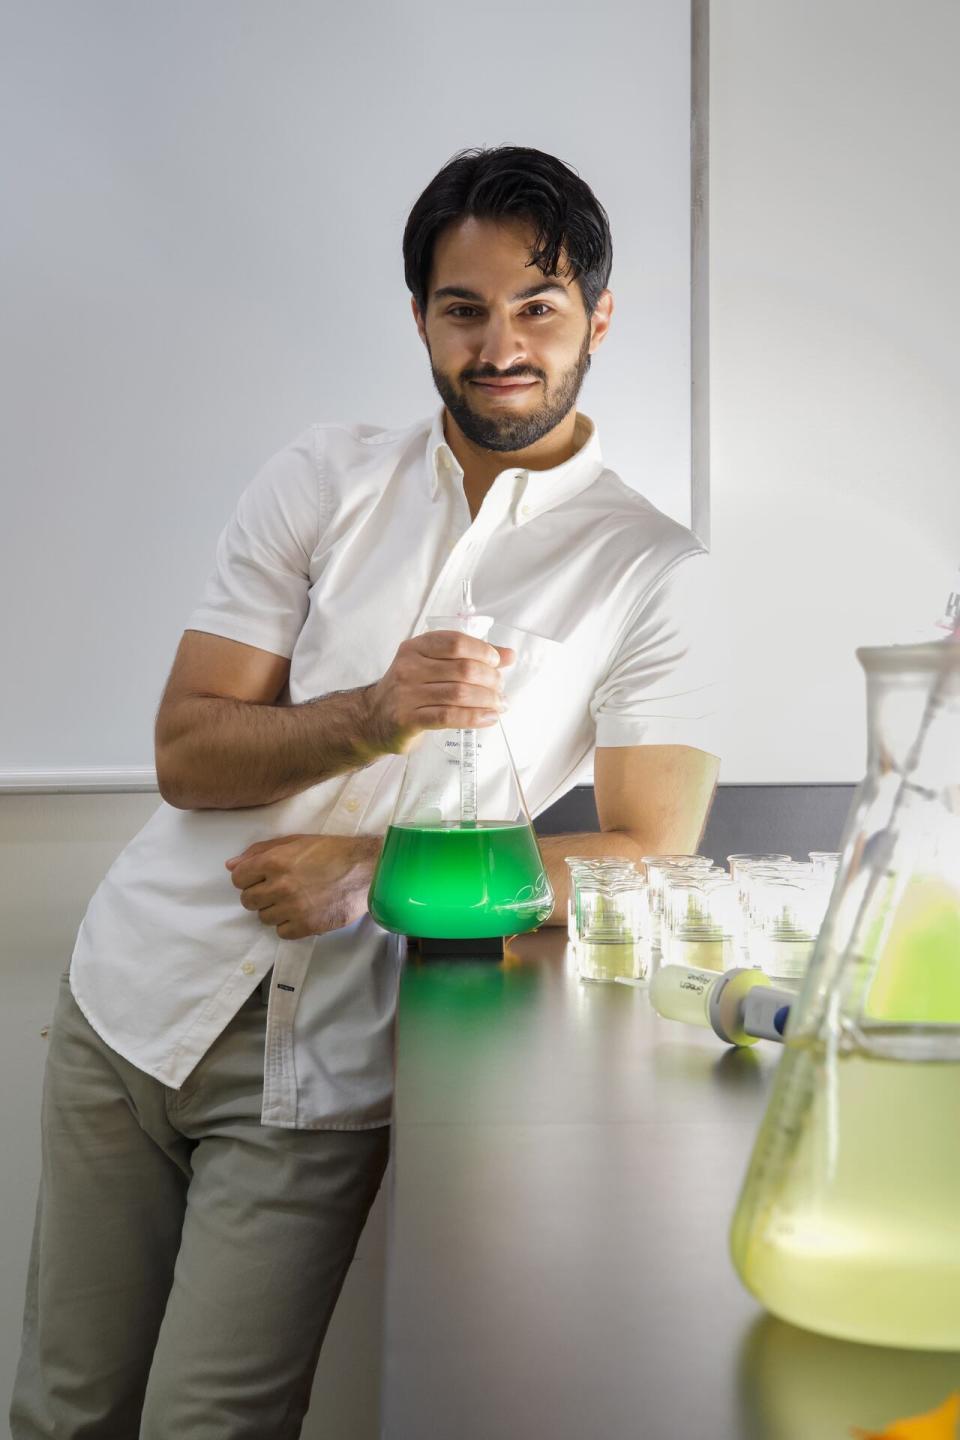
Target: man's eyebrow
x,y
458,292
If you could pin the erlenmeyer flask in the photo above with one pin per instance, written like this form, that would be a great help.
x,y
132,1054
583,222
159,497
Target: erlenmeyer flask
x,y
848,1218
460,859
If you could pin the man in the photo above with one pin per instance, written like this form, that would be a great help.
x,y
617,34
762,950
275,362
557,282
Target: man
x,y
217,1099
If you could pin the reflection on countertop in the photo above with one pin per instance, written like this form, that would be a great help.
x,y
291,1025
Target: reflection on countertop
x,y
795,1385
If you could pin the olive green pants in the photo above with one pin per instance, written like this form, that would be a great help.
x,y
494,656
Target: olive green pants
x,y
186,1259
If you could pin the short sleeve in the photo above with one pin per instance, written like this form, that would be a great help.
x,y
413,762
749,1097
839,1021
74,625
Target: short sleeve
x,y
258,592
664,684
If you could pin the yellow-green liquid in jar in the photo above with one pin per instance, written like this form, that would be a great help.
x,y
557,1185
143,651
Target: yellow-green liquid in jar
x,y
610,960
858,1235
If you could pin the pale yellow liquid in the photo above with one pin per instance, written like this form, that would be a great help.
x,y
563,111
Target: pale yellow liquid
x,y
917,976
850,1221
700,954
610,960
781,959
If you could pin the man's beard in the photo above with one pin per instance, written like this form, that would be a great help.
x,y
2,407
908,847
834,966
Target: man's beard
x,y
510,432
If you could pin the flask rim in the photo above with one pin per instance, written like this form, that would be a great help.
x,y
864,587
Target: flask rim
x,y
930,656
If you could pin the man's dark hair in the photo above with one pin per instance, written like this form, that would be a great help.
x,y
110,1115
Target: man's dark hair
x,y
513,182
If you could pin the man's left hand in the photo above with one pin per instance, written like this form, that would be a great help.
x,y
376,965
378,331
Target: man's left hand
x,y
306,884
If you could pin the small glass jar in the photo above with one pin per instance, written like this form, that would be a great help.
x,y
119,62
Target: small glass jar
x,y
612,866
749,873
610,940
825,863
657,868
577,865
746,859
700,921
787,910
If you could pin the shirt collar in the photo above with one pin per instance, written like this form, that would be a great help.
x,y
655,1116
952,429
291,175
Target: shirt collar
x,y
534,491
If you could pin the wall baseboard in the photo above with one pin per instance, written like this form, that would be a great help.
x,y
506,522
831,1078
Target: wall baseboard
x,y
58,782
143,778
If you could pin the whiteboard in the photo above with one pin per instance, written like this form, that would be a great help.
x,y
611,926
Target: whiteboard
x,y
202,255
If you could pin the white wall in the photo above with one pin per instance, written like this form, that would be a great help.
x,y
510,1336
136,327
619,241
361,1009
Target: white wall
x,y
835,368
201,254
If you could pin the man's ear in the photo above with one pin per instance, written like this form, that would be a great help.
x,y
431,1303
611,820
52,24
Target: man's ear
x,y
600,320
418,319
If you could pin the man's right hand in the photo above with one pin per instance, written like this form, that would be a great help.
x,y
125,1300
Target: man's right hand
x,y
441,680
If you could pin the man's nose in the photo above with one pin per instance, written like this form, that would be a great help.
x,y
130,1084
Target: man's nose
x,y
502,348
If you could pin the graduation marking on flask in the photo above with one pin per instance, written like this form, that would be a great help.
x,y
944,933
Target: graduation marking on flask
x,y
468,738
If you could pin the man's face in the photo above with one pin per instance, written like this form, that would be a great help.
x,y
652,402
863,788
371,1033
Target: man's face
x,y
483,324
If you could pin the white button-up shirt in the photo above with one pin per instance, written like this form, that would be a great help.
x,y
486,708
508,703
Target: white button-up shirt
x,y
339,550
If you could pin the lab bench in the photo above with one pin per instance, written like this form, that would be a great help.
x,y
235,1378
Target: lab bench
x,y
565,1166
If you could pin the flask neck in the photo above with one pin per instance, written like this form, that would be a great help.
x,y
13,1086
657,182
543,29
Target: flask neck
x,y
913,712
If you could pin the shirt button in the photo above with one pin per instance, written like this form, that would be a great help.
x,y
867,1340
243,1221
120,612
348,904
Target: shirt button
x,y
524,511
351,805
248,967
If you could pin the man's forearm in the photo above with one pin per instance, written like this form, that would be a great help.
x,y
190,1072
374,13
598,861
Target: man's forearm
x,y
228,754
553,848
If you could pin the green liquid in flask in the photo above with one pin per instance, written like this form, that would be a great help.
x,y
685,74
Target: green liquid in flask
x,y
851,1228
460,883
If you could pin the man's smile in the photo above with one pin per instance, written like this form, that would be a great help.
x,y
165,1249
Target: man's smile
x,y
504,387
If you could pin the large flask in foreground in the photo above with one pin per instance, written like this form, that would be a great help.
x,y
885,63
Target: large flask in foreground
x,y
849,1219
460,858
